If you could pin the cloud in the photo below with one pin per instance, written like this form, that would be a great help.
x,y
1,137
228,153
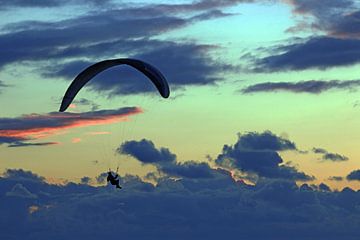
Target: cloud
x,y
198,68
22,175
194,6
336,178
317,52
336,17
2,86
201,5
146,152
256,153
183,208
354,176
189,169
18,143
264,141
311,86
327,156
85,180
47,3
84,102
16,131
101,179
323,187
164,160
64,48
20,191
76,140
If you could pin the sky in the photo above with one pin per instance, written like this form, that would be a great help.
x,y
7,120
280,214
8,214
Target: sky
x,y
259,136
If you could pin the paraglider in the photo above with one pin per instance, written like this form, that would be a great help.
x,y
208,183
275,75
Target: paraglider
x,y
86,75
114,180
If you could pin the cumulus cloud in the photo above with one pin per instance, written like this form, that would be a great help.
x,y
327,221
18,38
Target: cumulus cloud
x,y
189,169
354,176
22,175
328,156
16,131
146,152
212,207
264,141
257,153
164,160
310,86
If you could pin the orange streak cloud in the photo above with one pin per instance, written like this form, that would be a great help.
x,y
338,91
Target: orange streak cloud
x,y
76,140
64,121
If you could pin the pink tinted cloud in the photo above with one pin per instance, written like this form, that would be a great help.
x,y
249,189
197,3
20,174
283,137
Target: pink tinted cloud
x,y
98,133
76,140
35,126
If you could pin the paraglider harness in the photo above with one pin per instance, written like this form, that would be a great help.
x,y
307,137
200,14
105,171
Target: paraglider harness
x,y
113,179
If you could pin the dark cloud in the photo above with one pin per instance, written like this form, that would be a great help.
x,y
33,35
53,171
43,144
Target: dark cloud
x,y
317,52
336,17
210,15
19,143
264,141
4,4
181,209
85,180
22,175
311,86
146,152
324,187
354,176
203,5
256,153
84,36
64,48
164,160
189,169
200,5
336,178
2,86
20,191
17,131
197,68
348,26
328,156
101,179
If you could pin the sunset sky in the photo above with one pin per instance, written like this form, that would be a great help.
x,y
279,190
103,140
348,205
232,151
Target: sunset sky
x,y
264,90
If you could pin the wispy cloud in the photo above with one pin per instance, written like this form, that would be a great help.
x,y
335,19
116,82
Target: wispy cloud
x,y
311,86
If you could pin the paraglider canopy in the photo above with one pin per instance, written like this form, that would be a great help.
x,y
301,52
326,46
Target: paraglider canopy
x,y
86,75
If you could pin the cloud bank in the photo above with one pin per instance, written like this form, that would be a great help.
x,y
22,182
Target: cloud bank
x,y
184,208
